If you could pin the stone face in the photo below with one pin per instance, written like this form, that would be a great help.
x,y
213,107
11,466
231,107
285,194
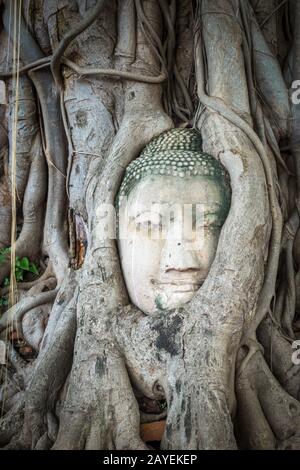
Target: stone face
x,y
170,220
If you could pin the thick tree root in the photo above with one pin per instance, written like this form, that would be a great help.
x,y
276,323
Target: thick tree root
x,y
267,415
49,377
88,19
55,149
29,241
278,352
15,314
11,424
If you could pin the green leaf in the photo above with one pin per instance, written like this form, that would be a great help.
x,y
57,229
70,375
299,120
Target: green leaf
x,y
24,264
3,254
19,275
5,251
33,269
3,301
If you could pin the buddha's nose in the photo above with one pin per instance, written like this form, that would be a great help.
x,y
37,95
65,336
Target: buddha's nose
x,y
177,255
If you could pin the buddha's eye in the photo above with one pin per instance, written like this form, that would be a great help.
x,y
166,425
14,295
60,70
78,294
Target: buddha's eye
x,y
207,220
211,220
148,222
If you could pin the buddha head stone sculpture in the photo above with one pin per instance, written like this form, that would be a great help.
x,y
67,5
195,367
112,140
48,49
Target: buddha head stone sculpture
x,y
171,205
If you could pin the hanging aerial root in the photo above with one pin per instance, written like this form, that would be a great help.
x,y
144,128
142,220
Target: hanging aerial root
x,y
27,130
87,71
5,189
122,74
29,241
269,80
288,313
55,230
5,213
172,66
126,44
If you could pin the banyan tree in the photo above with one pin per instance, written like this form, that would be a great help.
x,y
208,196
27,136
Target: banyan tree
x,y
107,106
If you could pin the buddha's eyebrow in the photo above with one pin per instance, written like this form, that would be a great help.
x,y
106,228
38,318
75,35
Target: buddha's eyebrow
x,y
146,211
135,210
205,207
163,208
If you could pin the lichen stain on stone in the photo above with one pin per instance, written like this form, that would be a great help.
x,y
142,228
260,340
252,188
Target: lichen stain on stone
x,y
207,357
81,118
166,338
100,366
187,421
183,405
168,431
178,386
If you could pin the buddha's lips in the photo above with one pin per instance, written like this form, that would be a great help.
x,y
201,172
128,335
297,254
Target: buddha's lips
x,y
178,286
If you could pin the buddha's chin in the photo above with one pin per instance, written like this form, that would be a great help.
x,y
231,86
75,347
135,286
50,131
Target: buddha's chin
x,y
168,300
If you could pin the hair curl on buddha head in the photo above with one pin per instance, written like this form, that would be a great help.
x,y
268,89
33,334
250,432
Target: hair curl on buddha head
x,y
177,152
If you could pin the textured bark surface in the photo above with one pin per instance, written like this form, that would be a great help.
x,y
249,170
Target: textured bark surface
x,y
99,80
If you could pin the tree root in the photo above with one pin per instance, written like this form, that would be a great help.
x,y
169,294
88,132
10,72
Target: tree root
x,y
11,424
5,190
89,19
108,415
55,233
218,106
122,74
87,71
13,316
270,82
49,376
126,44
29,241
45,281
278,353
267,415
34,324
